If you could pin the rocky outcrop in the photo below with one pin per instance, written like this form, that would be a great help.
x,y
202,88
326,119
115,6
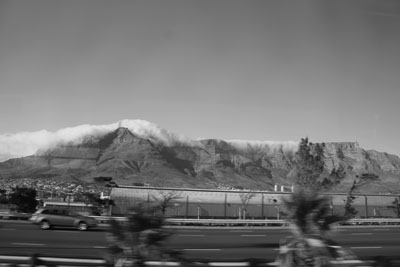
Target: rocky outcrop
x,y
352,157
385,162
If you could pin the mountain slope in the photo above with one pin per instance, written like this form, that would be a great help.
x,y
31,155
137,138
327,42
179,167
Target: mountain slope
x,y
129,158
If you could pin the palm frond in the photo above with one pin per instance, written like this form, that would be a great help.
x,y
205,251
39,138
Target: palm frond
x,y
310,212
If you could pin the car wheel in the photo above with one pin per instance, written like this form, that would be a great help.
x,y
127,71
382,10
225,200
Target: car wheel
x,y
45,225
82,226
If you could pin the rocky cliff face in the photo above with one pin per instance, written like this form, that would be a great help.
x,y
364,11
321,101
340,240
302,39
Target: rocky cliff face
x,y
351,156
130,159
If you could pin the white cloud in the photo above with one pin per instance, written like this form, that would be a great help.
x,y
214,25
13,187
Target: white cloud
x,y
270,146
28,143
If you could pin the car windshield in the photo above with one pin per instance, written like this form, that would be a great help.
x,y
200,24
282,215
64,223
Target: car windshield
x,y
38,211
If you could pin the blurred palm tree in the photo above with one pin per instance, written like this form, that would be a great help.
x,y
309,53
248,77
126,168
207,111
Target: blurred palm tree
x,y
140,238
310,214
310,217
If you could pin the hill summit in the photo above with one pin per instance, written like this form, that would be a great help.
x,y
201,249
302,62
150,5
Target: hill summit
x,y
130,155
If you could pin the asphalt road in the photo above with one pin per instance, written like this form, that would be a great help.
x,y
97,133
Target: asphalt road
x,y
20,238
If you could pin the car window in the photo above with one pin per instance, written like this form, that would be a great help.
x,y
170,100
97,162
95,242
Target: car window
x,y
73,213
63,212
58,212
54,212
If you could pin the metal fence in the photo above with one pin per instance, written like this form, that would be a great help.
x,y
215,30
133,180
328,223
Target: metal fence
x,y
265,206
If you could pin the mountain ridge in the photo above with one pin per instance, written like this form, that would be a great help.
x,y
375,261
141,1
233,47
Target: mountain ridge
x,y
129,158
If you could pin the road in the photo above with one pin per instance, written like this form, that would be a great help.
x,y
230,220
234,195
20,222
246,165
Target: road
x,y
215,244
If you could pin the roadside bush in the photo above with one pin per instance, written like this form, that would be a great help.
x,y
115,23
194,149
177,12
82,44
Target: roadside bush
x,y
24,198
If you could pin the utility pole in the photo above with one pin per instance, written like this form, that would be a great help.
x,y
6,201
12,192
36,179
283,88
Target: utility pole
x,y
225,203
69,195
396,202
187,206
262,206
366,206
398,206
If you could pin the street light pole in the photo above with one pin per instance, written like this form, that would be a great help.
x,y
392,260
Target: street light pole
x,y
69,199
277,212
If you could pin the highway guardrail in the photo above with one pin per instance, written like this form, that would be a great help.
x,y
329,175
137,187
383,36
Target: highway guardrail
x,y
35,260
38,260
222,222
14,215
249,222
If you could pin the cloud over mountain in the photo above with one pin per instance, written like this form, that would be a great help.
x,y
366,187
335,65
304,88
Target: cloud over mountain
x,y
27,143
271,146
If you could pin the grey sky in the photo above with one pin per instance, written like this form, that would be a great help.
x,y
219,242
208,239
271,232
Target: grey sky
x,y
254,70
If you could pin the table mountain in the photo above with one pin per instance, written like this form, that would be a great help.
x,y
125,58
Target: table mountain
x,y
129,159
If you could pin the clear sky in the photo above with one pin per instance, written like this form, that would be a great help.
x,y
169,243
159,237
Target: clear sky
x,y
254,70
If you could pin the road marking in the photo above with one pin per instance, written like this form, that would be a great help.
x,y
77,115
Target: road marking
x,y
99,247
379,229
228,263
8,229
202,249
158,263
365,247
90,261
277,249
241,231
65,231
361,233
190,235
252,235
27,244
